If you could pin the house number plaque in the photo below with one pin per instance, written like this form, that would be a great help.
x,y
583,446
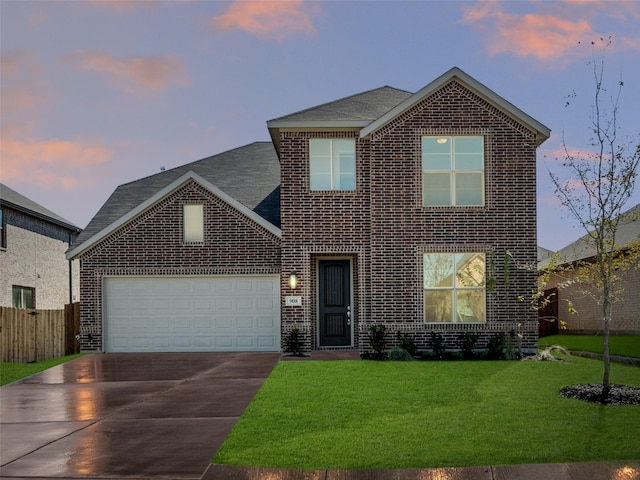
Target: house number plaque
x,y
293,301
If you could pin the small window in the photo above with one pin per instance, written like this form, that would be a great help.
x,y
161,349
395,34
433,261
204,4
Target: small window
x,y
454,287
23,297
193,223
332,164
453,171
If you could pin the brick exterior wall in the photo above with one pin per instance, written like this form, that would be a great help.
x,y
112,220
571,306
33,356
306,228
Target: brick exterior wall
x,y
35,258
384,229
588,319
151,244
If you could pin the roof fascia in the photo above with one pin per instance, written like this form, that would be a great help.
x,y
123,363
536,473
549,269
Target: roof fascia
x,y
158,196
40,216
471,83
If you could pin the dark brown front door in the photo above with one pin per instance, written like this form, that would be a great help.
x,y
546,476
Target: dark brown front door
x,y
334,302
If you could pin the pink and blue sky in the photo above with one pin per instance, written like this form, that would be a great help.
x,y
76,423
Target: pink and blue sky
x,y
97,93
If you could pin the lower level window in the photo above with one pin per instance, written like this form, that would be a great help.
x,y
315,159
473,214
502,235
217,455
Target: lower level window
x,y
454,287
23,297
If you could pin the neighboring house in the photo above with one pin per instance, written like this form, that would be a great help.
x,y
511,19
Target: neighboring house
x,y
385,207
35,272
588,317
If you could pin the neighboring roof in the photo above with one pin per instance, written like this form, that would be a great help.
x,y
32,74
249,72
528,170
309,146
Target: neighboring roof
x,y
77,249
583,248
17,201
544,253
355,111
249,174
469,82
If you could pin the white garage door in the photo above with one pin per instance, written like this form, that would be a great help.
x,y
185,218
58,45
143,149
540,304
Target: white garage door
x,y
191,314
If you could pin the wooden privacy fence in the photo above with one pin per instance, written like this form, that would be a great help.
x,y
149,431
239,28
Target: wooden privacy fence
x,y
34,335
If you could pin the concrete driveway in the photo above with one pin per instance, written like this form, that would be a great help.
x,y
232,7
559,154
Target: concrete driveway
x,y
126,415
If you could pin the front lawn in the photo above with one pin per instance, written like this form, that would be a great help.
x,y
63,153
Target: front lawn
x,y
12,372
368,414
624,345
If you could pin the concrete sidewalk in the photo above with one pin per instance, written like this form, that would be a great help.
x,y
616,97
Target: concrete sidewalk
x,y
557,471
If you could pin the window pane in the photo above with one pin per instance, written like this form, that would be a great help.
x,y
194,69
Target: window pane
x,y
345,182
438,270
469,189
438,305
27,298
16,297
469,145
437,145
319,147
436,153
469,161
193,218
436,189
320,182
344,164
436,162
470,269
470,306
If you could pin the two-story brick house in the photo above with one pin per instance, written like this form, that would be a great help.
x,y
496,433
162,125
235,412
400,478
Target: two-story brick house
x,y
415,211
34,272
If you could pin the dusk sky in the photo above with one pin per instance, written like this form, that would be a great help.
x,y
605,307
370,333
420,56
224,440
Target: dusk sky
x,y
98,93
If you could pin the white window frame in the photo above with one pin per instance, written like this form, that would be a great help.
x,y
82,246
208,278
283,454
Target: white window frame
x,y
458,314
335,177
193,223
19,289
452,171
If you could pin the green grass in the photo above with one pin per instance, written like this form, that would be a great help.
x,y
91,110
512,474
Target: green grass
x,y
12,372
625,345
367,414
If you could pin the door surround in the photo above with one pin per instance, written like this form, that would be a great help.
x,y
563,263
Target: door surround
x,y
318,319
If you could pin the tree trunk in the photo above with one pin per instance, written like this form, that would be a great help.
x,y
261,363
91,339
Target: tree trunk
x,y
606,307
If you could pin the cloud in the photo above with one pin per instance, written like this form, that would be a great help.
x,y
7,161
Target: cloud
x,y
272,20
22,86
50,162
550,33
138,75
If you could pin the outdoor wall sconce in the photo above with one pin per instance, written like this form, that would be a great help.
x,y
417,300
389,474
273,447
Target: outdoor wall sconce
x,y
293,281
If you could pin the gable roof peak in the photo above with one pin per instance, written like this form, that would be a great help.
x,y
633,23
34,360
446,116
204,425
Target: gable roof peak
x,y
457,74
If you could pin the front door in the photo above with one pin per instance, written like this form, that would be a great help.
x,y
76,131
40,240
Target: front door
x,y
334,302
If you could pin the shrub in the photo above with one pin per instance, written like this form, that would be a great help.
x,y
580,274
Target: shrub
x,y
438,345
467,343
495,347
293,343
407,343
377,338
400,355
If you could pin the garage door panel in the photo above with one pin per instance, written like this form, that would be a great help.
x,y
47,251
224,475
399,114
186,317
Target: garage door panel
x,y
225,313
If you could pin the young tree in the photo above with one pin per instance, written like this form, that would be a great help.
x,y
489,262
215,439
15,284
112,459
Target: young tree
x,y
602,181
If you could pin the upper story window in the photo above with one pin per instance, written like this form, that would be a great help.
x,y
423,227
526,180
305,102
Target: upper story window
x,y
193,223
23,297
332,164
452,170
454,287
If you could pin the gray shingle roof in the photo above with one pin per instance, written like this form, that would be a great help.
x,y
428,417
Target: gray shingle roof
x,y
365,106
250,174
11,198
583,248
